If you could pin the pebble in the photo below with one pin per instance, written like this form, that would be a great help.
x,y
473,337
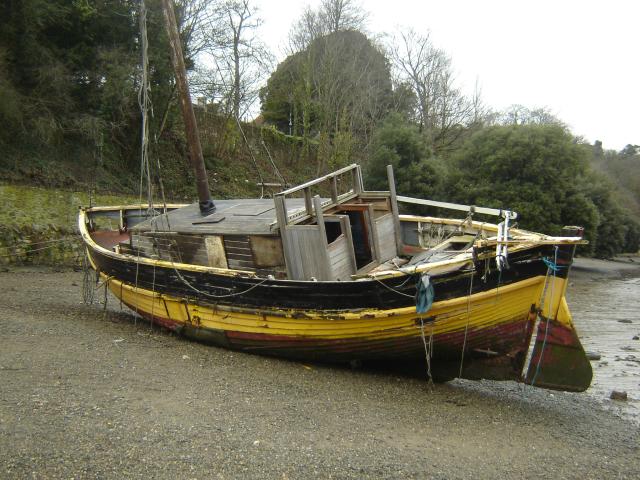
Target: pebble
x,y
593,355
618,395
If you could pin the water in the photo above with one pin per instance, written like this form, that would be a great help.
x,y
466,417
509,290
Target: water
x,y
606,312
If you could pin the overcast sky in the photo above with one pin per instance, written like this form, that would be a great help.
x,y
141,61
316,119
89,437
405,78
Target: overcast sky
x,y
579,59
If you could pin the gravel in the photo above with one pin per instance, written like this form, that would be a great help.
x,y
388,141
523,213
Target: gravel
x,y
87,393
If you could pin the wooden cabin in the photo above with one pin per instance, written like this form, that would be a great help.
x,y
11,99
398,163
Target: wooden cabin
x,y
326,229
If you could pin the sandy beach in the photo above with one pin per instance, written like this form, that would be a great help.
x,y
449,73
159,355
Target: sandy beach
x,y
88,393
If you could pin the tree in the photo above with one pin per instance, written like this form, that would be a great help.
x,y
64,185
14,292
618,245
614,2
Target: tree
x,y
336,90
543,174
530,169
331,16
241,59
441,109
521,115
398,142
59,58
630,150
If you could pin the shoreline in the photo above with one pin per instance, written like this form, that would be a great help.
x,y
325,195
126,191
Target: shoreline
x,y
94,394
620,266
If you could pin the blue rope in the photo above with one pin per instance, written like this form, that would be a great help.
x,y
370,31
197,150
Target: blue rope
x,y
555,268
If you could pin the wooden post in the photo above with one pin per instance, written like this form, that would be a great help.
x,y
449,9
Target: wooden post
x,y
394,209
308,201
190,125
323,253
281,216
358,185
334,190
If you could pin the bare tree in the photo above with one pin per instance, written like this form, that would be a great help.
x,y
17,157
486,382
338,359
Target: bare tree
x,y
194,18
521,115
441,108
331,16
343,15
241,60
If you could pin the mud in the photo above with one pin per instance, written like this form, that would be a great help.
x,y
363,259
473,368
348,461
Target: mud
x,y
604,297
88,393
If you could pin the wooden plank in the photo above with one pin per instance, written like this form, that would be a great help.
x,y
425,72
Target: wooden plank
x,y
307,201
340,259
249,210
386,237
309,252
394,209
455,206
240,264
334,189
281,215
293,257
323,255
267,251
238,251
319,180
346,229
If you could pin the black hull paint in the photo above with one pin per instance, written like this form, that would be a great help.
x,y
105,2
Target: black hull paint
x,y
397,292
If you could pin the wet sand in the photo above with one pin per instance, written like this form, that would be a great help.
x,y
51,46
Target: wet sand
x,y
92,394
604,298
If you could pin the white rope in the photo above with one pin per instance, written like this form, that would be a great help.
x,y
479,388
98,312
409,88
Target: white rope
x,y
466,328
428,349
393,289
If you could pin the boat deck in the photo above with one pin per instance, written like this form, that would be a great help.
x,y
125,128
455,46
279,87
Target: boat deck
x,y
237,217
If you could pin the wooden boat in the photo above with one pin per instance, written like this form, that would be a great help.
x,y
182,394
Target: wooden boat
x,y
344,276
327,271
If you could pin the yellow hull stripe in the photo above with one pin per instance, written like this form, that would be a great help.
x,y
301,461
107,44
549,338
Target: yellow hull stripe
x,y
479,311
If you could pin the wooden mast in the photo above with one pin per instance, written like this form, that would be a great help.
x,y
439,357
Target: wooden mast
x,y
191,127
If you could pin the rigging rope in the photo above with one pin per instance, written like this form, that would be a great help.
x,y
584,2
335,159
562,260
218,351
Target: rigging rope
x,y
273,164
548,317
255,163
428,349
207,294
394,290
466,328
144,102
88,285
253,158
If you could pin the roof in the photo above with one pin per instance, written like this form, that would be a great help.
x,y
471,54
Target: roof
x,y
232,217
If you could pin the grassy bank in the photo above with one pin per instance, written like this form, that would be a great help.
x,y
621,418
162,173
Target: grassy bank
x,y
38,225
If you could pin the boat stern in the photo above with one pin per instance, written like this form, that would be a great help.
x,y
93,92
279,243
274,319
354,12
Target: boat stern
x,y
558,360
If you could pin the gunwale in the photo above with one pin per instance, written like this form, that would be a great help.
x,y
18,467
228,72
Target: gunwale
x,y
526,240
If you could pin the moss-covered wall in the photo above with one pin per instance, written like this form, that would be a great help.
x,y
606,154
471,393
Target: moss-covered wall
x,y
38,225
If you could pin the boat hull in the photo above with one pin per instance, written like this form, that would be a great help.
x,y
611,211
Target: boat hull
x,y
479,326
492,328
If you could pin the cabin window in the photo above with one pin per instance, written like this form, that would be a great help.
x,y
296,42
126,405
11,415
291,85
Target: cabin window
x,y
333,230
360,235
